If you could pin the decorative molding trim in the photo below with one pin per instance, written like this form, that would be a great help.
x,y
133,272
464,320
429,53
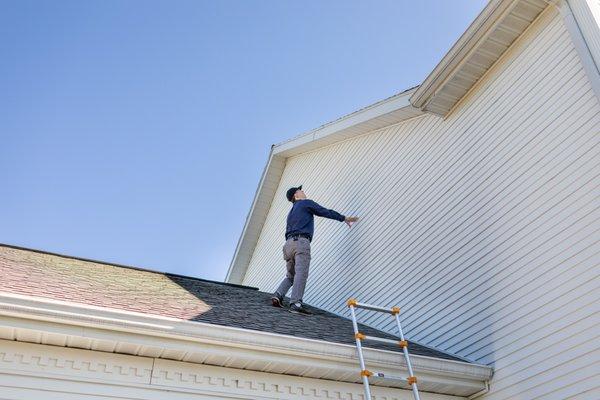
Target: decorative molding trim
x,y
26,358
183,375
73,367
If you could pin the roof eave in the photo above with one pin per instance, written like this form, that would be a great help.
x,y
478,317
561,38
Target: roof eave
x,y
436,87
387,112
134,333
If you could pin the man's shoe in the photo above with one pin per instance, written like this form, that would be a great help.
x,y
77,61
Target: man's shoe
x,y
298,308
277,300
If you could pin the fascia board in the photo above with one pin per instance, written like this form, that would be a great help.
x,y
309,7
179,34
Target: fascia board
x,y
263,195
465,44
63,318
331,129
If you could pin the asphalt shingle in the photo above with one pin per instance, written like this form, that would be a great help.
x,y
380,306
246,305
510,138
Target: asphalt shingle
x,y
42,274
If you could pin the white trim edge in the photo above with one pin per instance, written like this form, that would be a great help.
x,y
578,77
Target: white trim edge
x,y
55,317
579,41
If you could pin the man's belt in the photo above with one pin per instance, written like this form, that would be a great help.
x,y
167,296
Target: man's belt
x,y
295,236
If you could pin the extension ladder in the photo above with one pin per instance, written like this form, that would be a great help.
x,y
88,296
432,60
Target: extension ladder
x,y
364,372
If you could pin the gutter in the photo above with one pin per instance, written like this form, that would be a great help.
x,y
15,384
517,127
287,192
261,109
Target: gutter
x,y
96,323
486,390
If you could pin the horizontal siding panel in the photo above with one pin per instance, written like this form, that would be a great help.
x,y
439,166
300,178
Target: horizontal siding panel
x,y
585,333
484,226
551,382
582,390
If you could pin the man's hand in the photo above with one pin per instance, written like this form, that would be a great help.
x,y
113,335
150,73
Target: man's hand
x,y
350,220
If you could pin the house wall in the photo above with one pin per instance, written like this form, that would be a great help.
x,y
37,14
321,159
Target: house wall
x,y
33,371
482,226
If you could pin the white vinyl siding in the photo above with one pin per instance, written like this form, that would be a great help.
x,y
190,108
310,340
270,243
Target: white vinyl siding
x,y
483,227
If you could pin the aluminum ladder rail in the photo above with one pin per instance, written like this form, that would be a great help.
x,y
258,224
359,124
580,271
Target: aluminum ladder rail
x,y
364,372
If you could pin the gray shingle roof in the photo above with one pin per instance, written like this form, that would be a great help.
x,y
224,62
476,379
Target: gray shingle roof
x,y
42,274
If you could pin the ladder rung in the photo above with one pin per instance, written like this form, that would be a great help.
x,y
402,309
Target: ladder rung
x,y
365,374
381,375
382,340
393,310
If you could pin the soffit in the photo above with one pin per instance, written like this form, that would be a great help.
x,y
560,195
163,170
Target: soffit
x,y
484,42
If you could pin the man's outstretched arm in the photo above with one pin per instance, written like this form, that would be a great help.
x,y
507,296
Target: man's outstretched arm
x,y
321,211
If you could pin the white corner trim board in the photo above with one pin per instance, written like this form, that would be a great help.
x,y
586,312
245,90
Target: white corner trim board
x,y
567,9
53,322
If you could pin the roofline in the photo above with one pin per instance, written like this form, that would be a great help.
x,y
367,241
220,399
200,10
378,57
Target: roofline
x,y
367,113
11,246
232,273
283,352
338,130
465,43
482,28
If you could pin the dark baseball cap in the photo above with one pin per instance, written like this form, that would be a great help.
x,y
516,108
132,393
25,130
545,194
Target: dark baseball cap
x,y
291,192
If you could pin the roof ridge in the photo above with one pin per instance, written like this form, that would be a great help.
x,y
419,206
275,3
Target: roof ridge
x,y
11,246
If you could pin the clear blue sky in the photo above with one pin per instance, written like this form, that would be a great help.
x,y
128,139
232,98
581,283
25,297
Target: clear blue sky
x,y
135,132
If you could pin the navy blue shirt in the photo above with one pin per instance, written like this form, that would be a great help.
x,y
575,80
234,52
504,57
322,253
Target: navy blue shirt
x,y
301,217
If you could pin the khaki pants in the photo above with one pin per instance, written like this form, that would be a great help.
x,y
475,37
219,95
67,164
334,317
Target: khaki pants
x,y
296,253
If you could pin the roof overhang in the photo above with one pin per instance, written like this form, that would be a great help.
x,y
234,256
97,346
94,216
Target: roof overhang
x,y
50,322
489,36
387,112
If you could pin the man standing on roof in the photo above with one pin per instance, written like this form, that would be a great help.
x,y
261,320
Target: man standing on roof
x,y
296,251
